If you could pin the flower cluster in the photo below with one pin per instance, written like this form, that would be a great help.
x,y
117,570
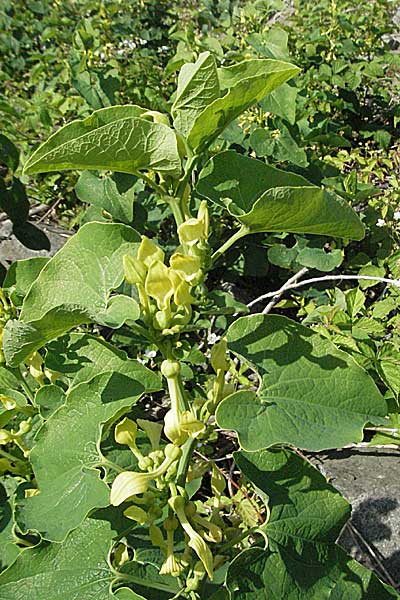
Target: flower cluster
x,y
165,291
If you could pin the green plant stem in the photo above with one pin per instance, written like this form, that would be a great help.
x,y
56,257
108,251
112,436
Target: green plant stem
x,y
180,190
237,539
187,452
111,465
232,240
9,456
176,209
157,188
25,386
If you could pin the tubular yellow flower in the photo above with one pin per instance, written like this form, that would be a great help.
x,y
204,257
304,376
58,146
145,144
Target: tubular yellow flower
x,y
196,542
125,432
159,285
149,252
188,267
134,269
152,430
218,356
131,483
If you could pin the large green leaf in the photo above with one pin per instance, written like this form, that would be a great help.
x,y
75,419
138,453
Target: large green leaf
x,y
263,198
311,394
80,357
302,561
77,569
8,547
245,84
66,451
198,86
117,138
74,287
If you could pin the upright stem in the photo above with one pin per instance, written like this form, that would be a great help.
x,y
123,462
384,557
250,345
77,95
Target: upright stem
x,y
187,452
176,209
229,242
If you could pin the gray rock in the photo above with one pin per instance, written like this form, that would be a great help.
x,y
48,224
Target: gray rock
x,y
11,249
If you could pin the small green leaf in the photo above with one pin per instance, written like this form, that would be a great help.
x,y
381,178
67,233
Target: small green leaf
x,y
113,194
115,138
245,83
282,102
21,275
65,465
311,394
263,198
317,258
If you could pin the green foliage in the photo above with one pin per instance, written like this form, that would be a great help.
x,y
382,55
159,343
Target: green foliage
x,y
107,447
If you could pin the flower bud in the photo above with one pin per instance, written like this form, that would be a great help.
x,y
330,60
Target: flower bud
x,y
5,437
125,432
219,359
170,368
136,514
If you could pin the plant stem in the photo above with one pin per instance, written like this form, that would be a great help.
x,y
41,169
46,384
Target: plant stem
x,y
25,386
180,190
111,465
187,452
10,456
176,209
157,188
229,242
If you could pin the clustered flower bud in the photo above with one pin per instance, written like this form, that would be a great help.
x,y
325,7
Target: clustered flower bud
x,y
165,291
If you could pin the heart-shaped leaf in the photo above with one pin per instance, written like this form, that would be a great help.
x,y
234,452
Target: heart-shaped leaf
x,y
73,288
113,194
311,394
263,198
65,465
302,561
116,138
77,569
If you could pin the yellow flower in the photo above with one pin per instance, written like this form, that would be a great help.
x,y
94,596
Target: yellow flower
x,y
188,267
134,269
136,514
218,356
130,483
159,285
196,542
149,252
